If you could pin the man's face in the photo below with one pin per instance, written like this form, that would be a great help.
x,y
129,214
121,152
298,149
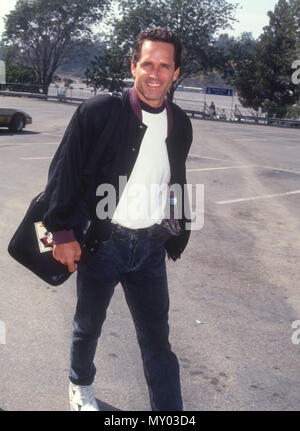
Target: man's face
x,y
154,72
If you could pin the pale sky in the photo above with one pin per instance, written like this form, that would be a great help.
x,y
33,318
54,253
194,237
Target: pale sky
x,y
252,15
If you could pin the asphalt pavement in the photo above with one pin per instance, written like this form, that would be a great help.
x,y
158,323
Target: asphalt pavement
x,y
234,293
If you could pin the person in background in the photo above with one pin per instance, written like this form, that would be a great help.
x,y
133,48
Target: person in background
x,y
212,109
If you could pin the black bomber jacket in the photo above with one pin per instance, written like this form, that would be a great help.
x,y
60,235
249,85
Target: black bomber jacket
x,y
100,144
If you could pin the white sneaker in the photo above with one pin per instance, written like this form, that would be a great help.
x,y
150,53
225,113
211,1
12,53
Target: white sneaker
x,y
82,398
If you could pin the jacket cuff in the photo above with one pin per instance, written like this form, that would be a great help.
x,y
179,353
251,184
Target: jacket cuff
x,y
63,236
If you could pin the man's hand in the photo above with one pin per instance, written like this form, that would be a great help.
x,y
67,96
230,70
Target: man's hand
x,y
176,245
68,254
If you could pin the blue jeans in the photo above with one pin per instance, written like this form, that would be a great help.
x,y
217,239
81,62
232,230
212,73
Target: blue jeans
x,y
136,259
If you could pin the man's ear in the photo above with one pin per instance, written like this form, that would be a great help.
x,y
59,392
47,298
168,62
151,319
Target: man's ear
x,y
176,74
133,68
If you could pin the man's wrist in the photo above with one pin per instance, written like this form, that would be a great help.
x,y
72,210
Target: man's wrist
x,y
63,236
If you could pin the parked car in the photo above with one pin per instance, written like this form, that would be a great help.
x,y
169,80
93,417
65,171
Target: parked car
x,y
115,93
14,119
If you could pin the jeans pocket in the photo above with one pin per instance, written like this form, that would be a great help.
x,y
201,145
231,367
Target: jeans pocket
x,y
96,243
108,239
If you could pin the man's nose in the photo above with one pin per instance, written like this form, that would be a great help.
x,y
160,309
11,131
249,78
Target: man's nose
x,y
154,72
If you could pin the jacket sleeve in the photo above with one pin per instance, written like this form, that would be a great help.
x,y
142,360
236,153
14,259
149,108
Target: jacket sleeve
x,y
63,190
176,245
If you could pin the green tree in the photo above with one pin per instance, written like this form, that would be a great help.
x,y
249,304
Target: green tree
x,y
264,79
295,4
195,22
232,51
2,50
22,74
83,52
107,71
45,30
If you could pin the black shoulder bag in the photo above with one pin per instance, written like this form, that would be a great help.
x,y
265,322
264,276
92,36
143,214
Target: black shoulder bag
x,y
32,245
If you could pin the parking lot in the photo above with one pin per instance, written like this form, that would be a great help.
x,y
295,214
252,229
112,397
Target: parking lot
x,y
234,293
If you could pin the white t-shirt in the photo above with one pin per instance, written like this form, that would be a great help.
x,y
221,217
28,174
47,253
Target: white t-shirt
x,y
143,200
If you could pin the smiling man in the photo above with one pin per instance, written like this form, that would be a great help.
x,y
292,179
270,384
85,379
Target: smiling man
x,y
154,70
144,138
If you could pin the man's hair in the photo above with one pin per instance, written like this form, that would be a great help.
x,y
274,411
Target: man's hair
x,y
158,34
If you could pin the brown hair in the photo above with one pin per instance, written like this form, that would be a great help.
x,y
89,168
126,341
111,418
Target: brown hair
x,y
158,34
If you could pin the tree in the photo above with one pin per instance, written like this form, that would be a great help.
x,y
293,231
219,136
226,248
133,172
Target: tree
x,y
264,80
2,50
45,30
83,53
295,4
195,22
231,52
107,70
22,74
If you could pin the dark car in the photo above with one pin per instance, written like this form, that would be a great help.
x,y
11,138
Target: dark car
x,y
14,119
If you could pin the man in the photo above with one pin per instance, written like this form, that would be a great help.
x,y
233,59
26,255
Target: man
x,y
144,138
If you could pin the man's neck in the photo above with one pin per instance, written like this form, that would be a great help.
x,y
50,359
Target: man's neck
x,y
151,109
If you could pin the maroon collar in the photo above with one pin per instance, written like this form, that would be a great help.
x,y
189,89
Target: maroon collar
x,y
136,107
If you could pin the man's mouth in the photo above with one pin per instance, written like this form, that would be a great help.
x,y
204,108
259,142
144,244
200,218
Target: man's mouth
x,y
153,84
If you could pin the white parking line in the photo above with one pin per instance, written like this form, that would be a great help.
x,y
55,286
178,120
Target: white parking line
x,y
279,169
221,168
233,201
250,139
35,158
23,144
206,158
244,167
37,143
53,135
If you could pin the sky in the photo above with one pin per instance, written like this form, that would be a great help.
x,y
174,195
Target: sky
x,y
252,15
